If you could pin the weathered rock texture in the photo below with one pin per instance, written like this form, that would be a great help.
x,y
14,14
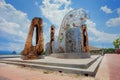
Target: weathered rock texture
x,y
52,32
77,40
30,51
73,41
85,45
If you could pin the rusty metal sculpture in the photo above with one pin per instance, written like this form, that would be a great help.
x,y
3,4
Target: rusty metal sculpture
x,y
30,51
85,45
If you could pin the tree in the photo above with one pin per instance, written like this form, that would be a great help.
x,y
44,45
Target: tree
x,y
116,43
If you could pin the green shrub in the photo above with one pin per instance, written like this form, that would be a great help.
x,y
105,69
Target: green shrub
x,y
108,50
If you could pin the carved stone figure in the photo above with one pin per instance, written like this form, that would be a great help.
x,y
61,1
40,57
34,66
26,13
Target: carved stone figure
x,y
30,51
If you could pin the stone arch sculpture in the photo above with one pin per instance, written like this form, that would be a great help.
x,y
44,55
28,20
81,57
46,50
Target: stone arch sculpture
x,y
30,51
72,40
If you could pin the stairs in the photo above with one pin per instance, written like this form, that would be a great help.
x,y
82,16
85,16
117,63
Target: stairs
x,y
61,65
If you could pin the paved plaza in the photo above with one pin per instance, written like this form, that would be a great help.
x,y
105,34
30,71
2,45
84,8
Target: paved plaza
x,y
109,68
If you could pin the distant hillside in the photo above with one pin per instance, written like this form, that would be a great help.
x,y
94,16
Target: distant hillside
x,y
94,48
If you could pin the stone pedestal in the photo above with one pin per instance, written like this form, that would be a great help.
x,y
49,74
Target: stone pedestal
x,y
71,55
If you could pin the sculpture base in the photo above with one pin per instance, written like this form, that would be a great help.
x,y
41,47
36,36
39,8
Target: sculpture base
x,y
32,57
71,55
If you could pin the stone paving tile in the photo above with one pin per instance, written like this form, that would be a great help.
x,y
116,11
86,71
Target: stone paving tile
x,y
114,66
11,72
109,68
103,71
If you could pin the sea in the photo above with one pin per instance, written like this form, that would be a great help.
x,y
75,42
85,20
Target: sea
x,y
8,53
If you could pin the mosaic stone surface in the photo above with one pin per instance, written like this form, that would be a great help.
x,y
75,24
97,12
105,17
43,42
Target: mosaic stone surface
x,y
73,41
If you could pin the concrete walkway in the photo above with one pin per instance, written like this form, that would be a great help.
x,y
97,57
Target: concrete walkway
x,y
109,68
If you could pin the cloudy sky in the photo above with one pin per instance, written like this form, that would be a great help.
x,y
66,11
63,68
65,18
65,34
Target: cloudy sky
x,y
16,15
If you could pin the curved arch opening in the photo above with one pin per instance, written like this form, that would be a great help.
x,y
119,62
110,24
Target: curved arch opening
x,y
35,36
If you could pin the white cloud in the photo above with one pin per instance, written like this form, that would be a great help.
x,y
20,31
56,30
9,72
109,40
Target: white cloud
x,y
36,3
113,22
99,36
118,11
106,9
13,24
10,46
55,11
8,27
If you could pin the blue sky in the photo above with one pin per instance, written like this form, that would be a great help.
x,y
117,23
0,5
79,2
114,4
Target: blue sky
x,y
16,15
